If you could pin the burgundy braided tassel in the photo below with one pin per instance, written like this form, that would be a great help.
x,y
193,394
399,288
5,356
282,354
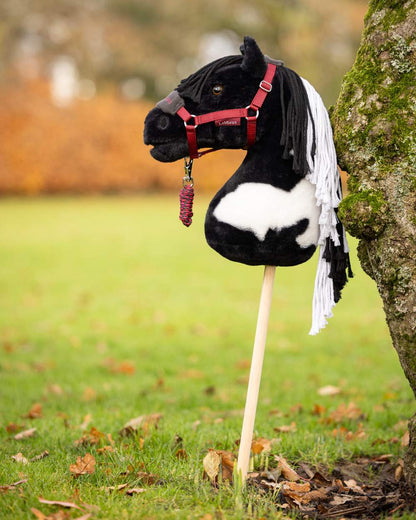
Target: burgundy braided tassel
x,y
186,198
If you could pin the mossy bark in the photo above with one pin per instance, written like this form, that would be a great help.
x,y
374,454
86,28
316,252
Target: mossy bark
x,y
375,133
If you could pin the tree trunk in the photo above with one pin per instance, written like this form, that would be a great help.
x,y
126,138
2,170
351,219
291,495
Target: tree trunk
x,y
375,133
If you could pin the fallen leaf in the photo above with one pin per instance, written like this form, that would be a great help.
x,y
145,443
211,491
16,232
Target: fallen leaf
x,y
20,458
105,449
286,428
135,491
84,465
318,409
181,454
38,513
398,472
25,435
59,503
6,487
343,412
40,456
405,440
329,390
352,484
261,444
227,465
143,422
339,500
35,412
120,487
13,427
91,438
211,464
287,472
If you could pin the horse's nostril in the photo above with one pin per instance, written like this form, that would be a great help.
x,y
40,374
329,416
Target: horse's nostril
x,y
163,122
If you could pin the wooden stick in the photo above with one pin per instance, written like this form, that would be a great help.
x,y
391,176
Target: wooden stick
x,y
255,373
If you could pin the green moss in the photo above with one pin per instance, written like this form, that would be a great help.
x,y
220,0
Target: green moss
x,y
364,213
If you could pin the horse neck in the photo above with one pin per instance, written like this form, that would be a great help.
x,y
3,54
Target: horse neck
x,y
264,161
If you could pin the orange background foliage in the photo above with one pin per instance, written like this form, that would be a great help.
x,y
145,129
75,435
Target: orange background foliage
x,y
91,146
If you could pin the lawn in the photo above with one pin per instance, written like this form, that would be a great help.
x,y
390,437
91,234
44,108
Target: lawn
x,y
110,309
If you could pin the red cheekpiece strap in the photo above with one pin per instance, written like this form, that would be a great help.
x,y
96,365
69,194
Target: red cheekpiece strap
x,y
264,88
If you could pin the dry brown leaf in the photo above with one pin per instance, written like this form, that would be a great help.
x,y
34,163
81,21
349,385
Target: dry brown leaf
x,y
181,454
25,435
352,484
105,449
318,410
84,465
143,422
91,438
116,488
7,487
40,456
343,412
261,444
286,428
295,486
19,457
227,465
339,500
59,503
83,517
211,464
38,513
398,472
405,440
287,472
13,427
329,390
59,515
35,412
135,491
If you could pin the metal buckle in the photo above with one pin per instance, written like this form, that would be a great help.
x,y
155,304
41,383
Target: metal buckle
x,y
266,86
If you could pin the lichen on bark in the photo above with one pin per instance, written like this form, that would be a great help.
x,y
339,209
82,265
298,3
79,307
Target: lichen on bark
x,y
375,134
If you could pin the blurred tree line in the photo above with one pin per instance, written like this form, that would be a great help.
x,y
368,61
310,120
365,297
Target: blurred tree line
x,y
73,60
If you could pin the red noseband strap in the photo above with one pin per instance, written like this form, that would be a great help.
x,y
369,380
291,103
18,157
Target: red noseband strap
x,y
231,117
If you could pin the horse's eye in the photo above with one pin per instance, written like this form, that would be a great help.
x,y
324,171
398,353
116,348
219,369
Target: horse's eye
x,y
217,90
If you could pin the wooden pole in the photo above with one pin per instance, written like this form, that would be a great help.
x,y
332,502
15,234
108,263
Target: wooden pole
x,y
255,373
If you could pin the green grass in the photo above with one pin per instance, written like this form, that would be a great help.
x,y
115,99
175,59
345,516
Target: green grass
x,y
84,281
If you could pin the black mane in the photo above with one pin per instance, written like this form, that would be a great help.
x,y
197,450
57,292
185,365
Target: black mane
x,y
192,86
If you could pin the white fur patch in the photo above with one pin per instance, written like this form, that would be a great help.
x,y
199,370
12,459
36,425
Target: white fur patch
x,y
258,207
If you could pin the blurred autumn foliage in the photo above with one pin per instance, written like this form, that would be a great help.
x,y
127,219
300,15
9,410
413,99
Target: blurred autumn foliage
x,y
77,78
88,147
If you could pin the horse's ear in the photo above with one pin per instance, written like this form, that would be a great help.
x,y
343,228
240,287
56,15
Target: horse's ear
x,y
253,59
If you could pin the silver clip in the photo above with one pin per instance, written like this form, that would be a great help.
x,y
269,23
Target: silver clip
x,y
188,172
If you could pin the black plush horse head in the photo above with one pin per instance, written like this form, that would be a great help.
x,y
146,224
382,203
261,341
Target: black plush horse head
x,y
280,203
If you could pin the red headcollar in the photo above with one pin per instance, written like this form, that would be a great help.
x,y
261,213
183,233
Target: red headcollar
x,y
231,117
